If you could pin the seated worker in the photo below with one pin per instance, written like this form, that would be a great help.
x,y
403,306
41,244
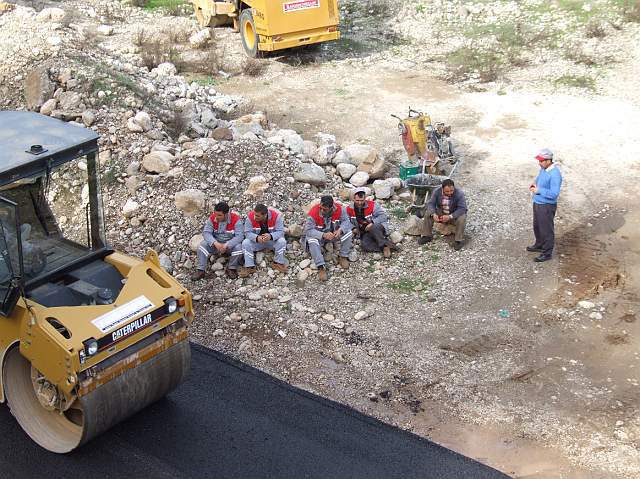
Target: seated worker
x,y
263,229
448,207
371,222
223,235
327,222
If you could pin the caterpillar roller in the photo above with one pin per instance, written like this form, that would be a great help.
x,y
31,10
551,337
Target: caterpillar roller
x,y
88,335
272,25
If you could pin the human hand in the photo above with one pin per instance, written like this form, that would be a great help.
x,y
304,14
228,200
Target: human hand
x,y
368,227
445,218
219,246
533,188
327,236
435,217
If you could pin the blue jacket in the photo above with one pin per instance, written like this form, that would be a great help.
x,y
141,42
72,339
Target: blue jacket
x,y
457,205
548,182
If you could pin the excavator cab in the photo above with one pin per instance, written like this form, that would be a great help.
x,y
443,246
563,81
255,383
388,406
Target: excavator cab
x,y
88,336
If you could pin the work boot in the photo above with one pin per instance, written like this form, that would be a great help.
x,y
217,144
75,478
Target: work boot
x,y
457,245
322,273
198,275
386,251
534,249
425,239
231,273
282,268
543,257
344,262
246,272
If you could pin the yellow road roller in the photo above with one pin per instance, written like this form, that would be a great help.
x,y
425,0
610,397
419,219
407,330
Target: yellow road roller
x,y
88,335
271,25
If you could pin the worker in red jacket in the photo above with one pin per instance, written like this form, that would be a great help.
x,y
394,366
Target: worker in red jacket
x,y
263,229
371,223
223,235
327,222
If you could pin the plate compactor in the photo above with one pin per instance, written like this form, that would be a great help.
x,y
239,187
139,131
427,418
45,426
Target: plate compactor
x,y
88,335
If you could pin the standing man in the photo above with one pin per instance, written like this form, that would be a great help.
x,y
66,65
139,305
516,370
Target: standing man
x,y
545,189
263,229
371,222
327,222
223,236
448,207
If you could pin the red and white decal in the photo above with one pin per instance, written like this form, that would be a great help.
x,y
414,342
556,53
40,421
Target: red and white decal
x,y
300,5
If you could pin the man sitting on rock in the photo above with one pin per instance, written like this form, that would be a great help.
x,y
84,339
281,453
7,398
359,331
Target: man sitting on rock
x,y
447,207
223,235
371,222
327,222
263,229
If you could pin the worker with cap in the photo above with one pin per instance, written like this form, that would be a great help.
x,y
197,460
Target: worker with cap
x,y
223,235
371,223
263,230
545,190
327,222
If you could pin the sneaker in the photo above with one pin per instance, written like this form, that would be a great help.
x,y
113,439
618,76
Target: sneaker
x,y
231,273
282,268
322,274
542,258
344,262
246,272
457,245
425,239
534,249
198,275
386,252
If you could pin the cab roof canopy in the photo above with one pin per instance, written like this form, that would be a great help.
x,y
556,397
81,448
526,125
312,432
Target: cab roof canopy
x,y
31,144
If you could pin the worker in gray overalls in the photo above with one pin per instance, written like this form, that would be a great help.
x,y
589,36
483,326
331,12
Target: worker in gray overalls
x,y
263,229
223,235
327,222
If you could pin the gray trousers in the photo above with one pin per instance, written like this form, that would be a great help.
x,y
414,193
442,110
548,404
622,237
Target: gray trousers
x,y
315,247
375,239
250,247
205,250
458,223
543,229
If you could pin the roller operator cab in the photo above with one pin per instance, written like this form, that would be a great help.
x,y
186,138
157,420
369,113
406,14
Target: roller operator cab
x,y
88,336
272,25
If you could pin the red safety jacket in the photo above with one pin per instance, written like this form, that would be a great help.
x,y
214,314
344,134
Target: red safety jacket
x,y
368,212
319,219
233,219
271,221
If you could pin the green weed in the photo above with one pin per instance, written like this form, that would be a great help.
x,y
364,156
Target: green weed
x,y
575,81
406,285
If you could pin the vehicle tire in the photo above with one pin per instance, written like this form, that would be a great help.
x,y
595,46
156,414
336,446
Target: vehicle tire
x,y
248,34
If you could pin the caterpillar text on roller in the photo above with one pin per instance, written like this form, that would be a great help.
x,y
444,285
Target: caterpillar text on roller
x,y
88,335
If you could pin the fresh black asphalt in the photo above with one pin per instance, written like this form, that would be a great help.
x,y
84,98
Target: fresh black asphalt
x,y
229,420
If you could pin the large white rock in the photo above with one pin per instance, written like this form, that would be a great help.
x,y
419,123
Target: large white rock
x,y
292,140
190,202
309,149
361,153
395,182
360,178
200,39
48,106
325,154
413,226
133,126
51,14
346,170
130,208
165,69
310,173
38,87
342,157
257,186
143,119
157,161
69,100
382,189
195,241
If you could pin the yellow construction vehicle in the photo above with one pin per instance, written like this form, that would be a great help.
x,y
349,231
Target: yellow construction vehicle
x,y
88,335
270,25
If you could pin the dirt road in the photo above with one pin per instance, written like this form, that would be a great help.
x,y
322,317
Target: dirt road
x,y
569,407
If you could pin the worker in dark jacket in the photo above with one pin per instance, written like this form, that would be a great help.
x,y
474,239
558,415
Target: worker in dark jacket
x,y
447,207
